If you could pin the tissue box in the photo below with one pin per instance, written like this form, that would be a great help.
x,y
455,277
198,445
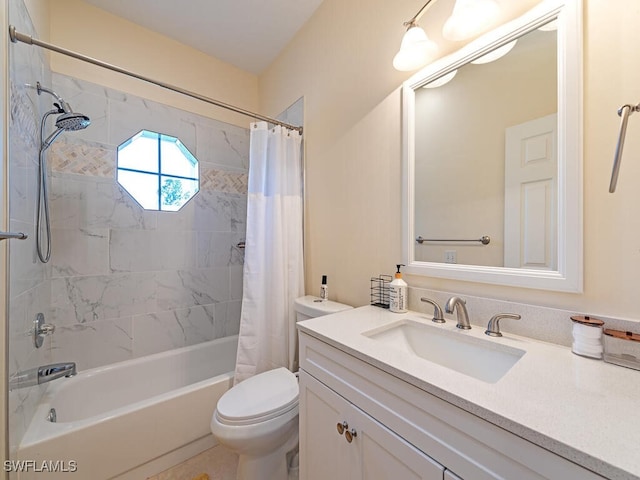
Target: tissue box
x,y
622,348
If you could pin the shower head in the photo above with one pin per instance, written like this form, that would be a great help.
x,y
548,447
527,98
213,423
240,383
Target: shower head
x,y
69,120
72,121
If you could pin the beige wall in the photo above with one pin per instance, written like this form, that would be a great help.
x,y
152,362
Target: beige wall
x,y
341,63
39,13
81,27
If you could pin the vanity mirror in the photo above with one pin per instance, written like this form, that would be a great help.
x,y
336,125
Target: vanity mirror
x,y
492,149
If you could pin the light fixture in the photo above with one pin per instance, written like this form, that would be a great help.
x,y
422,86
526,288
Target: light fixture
x,y
443,80
416,48
494,55
469,18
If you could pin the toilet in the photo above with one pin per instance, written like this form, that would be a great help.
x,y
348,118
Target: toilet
x,y
258,418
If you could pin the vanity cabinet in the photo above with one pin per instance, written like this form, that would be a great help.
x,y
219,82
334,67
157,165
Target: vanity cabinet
x,y
365,449
401,431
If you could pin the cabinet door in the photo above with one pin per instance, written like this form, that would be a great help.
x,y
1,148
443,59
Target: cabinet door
x,y
323,451
374,453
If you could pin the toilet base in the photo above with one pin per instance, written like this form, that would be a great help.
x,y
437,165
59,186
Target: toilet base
x,y
271,466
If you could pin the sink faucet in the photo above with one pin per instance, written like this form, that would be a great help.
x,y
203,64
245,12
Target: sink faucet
x,y
493,329
459,305
437,311
43,374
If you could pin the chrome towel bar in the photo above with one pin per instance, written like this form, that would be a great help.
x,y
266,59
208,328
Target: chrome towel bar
x,y
624,112
18,235
485,239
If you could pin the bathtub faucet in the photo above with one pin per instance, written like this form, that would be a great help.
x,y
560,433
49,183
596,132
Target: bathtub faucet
x,y
43,374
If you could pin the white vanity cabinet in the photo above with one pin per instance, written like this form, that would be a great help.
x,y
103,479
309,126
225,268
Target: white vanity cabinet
x,y
401,431
364,450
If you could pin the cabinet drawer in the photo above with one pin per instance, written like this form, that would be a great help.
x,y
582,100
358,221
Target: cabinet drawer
x,y
470,446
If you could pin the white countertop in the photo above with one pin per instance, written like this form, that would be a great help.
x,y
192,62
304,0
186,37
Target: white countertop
x,y
582,409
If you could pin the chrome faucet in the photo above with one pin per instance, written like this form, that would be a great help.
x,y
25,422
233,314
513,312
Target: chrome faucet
x,y
493,329
437,311
43,374
459,305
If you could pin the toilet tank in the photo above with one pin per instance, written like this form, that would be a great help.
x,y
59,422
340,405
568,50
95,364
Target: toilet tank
x,y
311,307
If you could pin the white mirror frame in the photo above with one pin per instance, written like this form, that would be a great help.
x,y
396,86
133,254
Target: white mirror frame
x,y
568,276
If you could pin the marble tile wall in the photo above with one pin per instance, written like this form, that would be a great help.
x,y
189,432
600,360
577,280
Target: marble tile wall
x,y
122,282
126,282
29,286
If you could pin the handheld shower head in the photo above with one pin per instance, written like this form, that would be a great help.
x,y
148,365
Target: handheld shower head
x,y
67,121
72,121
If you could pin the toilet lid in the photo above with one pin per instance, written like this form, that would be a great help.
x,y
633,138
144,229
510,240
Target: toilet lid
x,y
260,397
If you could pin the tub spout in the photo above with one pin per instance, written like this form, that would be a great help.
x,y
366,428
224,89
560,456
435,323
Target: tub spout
x,y
47,373
43,374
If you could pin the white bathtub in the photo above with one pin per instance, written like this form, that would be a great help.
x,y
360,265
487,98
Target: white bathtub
x,y
115,419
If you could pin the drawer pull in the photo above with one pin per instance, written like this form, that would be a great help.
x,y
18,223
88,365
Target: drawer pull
x,y
342,427
350,435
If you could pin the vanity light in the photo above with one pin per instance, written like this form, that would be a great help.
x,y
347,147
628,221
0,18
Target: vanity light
x,y
416,48
443,80
469,18
495,54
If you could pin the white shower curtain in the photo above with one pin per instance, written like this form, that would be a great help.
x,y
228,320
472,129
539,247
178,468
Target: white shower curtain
x,y
273,262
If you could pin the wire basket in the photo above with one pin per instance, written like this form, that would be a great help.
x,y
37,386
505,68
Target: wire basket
x,y
380,290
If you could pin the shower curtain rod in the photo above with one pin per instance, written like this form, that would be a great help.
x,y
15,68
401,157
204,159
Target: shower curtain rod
x,y
28,39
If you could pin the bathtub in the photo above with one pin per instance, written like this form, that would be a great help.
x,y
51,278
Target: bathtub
x,y
121,420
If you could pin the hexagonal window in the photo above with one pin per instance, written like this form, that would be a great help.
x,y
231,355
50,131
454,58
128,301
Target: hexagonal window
x,y
158,171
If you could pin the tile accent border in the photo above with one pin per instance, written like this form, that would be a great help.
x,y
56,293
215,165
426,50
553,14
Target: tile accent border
x,y
100,161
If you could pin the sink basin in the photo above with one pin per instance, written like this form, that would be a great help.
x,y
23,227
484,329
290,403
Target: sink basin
x,y
482,359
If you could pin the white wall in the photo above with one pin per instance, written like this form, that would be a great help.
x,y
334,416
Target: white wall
x,y
341,63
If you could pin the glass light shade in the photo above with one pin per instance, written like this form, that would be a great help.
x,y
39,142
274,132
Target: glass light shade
x,y
495,54
469,18
438,82
415,51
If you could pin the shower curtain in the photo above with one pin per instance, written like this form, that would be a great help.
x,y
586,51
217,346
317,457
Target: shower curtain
x,y
273,264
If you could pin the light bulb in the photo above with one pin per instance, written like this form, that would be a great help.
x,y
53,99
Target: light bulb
x,y
415,51
469,18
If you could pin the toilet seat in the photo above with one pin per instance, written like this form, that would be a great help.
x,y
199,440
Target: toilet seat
x,y
260,398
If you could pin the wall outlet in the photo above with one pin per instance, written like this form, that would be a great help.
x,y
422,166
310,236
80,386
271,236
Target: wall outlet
x,y
450,256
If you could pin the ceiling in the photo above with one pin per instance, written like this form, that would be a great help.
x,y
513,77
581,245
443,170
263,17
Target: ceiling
x,y
246,33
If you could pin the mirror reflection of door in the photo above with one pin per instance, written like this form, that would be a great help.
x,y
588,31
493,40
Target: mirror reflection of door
x,y
530,200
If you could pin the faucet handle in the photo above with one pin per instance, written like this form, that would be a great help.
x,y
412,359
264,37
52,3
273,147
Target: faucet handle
x,y
493,329
437,311
40,329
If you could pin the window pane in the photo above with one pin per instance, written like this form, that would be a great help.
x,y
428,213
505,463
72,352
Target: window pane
x,y
141,186
140,153
176,159
175,192
147,159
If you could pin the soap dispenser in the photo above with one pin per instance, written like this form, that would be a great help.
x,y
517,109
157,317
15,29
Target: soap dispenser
x,y
398,293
